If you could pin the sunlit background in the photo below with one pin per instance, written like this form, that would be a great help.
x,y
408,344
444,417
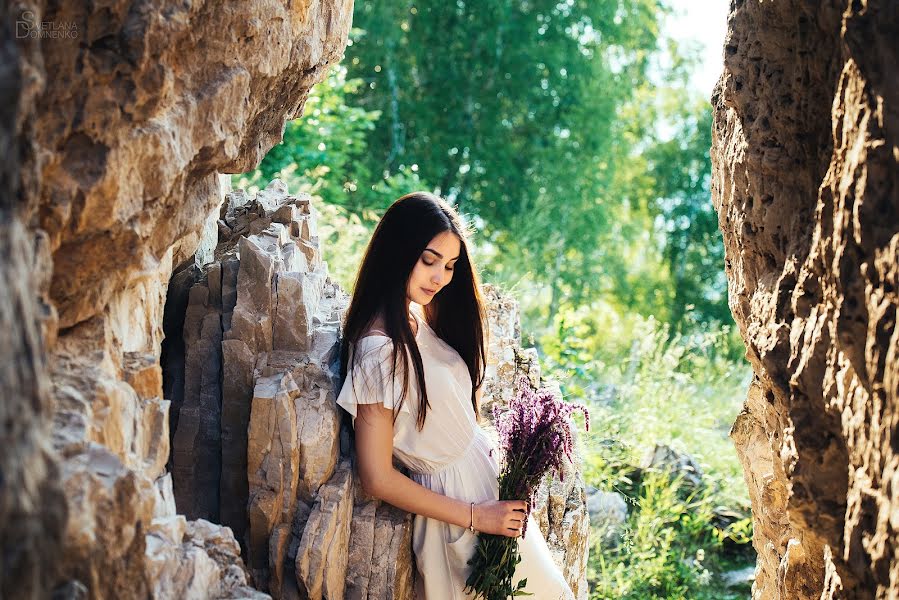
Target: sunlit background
x,y
574,137
702,23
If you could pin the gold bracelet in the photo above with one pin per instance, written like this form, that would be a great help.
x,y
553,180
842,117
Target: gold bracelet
x,y
471,523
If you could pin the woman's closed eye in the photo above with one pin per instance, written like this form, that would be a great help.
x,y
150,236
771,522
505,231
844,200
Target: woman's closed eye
x,y
430,264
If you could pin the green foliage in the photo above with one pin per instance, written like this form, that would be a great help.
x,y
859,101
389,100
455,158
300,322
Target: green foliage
x,y
650,386
322,152
496,99
645,386
344,238
738,532
512,110
564,131
694,250
668,550
500,554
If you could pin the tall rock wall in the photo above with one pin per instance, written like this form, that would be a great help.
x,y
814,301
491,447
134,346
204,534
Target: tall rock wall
x,y
806,184
258,438
32,505
117,129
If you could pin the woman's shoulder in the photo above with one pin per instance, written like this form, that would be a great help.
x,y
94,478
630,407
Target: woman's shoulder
x,y
372,341
374,347
375,334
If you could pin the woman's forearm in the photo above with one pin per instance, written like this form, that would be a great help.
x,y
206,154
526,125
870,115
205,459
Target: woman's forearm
x,y
395,488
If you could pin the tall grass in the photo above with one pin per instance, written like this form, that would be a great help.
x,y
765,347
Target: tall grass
x,y
667,550
647,386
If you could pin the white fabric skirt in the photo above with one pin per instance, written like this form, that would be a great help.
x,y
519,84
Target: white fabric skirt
x,y
442,550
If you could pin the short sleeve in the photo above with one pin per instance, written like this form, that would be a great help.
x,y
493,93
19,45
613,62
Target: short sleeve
x,y
371,379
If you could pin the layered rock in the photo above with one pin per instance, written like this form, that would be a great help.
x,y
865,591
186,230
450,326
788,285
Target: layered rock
x,y
137,127
124,537
806,185
116,136
264,320
560,508
33,510
506,359
32,504
380,562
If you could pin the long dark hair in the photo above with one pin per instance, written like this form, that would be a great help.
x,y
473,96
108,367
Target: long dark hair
x,y
456,313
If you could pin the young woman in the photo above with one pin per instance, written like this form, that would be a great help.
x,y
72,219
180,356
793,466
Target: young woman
x,y
413,357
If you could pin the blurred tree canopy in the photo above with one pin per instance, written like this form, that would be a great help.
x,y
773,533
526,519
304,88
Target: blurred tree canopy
x,y
563,130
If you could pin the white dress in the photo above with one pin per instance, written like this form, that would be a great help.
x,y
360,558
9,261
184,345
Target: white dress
x,y
451,455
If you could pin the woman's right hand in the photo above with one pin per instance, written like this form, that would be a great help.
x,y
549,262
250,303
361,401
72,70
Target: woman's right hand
x,y
500,517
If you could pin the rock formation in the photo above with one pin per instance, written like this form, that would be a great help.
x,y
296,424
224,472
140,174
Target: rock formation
x,y
115,137
806,185
32,504
257,444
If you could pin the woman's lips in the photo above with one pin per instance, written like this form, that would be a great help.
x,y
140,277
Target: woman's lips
x,y
429,292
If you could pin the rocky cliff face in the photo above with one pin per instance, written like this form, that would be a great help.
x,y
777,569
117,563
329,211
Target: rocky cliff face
x,y
258,444
806,184
117,132
32,505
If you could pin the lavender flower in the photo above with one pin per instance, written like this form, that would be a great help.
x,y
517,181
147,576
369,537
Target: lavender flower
x,y
535,439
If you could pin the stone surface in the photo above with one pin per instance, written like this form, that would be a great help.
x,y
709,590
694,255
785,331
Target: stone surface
x,y
767,486
679,466
560,509
112,505
277,353
237,390
806,185
380,563
268,317
172,354
196,559
146,142
196,445
506,359
273,471
321,558
33,511
113,144
112,438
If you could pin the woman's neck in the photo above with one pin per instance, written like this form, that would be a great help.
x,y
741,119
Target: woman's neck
x,y
413,322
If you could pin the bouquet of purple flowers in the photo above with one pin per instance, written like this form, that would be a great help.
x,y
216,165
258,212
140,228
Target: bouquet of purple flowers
x,y
535,439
